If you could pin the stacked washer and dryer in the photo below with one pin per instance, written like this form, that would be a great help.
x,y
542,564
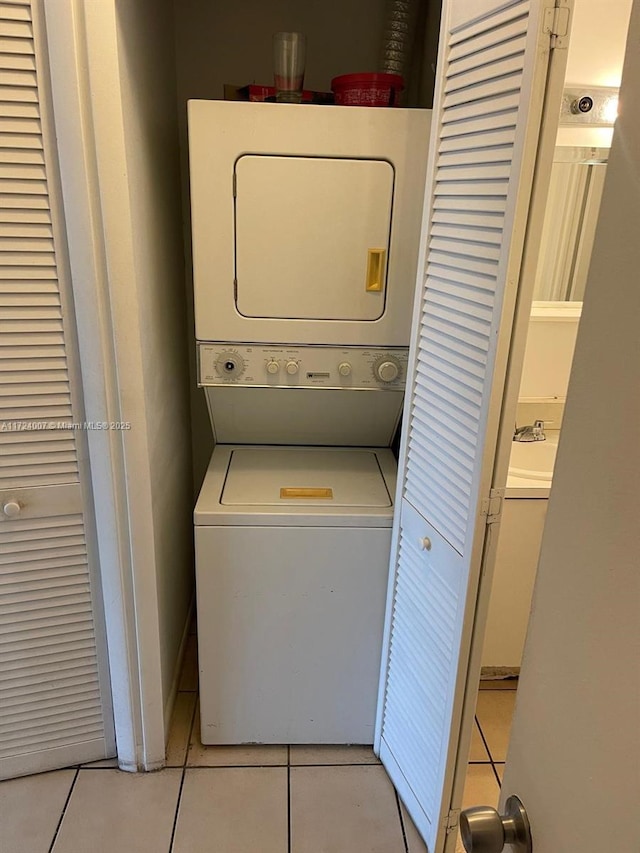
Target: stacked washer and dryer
x,y
306,229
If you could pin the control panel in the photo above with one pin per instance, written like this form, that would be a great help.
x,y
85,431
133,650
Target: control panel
x,y
286,366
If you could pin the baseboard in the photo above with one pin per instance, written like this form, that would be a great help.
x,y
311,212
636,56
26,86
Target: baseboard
x,y
175,681
496,673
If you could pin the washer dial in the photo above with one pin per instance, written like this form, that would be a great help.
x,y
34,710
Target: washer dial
x,y
387,368
230,365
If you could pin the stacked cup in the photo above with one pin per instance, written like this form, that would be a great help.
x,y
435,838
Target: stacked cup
x,y
289,55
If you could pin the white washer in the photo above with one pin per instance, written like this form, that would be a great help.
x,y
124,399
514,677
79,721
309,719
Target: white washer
x,y
292,548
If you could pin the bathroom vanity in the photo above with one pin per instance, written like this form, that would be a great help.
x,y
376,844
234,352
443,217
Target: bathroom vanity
x,y
523,518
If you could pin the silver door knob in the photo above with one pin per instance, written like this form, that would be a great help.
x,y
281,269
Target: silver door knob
x,y
483,830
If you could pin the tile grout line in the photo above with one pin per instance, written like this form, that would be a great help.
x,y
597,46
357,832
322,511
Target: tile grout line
x,y
183,774
288,798
402,828
175,817
64,809
95,769
491,759
484,740
495,773
337,764
242,766
190,735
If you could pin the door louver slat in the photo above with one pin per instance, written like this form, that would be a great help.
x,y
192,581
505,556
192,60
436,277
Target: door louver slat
x,y
65,696
45,649
493,29
11,12
46,636
53,737
43,583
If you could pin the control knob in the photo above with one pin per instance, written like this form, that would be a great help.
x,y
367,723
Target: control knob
x,y
386,369
230,365
344,369
273,367
291,367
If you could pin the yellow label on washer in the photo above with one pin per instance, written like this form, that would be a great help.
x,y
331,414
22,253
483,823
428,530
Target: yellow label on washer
x,y
306,493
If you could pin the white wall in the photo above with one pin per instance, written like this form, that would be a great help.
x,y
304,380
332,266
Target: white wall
x,y
575,744
598,38
148,93
549,353
596,52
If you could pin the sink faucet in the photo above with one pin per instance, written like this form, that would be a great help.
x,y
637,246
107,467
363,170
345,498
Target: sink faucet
x,y
530,432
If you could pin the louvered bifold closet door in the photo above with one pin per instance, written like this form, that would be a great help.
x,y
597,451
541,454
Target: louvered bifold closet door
x,y
486,126
54,707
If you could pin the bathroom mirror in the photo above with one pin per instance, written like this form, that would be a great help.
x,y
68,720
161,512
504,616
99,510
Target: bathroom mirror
x,y
577,178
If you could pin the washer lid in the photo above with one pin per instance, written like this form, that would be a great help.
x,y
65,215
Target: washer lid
x,y
277,476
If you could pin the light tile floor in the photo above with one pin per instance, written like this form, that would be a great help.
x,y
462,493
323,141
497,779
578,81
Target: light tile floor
x,y
275,799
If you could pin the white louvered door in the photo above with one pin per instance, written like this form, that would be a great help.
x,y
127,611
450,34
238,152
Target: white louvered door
x,y
54,690
489,96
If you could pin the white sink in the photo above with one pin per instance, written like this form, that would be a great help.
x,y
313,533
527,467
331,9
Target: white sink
x,y
533,460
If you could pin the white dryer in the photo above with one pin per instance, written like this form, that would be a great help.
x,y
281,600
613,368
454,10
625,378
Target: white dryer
x,y
285,394
292,548
305,221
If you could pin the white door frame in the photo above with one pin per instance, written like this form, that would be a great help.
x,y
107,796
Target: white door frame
x,y
85,81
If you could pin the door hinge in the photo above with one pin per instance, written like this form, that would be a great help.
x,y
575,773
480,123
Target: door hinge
x,y
492,506
556,24
452,820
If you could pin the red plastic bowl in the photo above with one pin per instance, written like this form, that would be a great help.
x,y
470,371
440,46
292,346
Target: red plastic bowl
x,y
367,90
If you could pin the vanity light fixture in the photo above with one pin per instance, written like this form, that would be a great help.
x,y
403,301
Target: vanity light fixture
x,y
596,106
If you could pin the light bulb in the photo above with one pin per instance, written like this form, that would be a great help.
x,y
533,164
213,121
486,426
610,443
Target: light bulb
x,y
610,109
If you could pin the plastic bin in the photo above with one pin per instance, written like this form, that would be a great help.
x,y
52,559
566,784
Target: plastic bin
x,y
367,89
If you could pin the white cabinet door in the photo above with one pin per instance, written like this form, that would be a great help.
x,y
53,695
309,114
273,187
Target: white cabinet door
x,y
54,687
490,92
312,236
